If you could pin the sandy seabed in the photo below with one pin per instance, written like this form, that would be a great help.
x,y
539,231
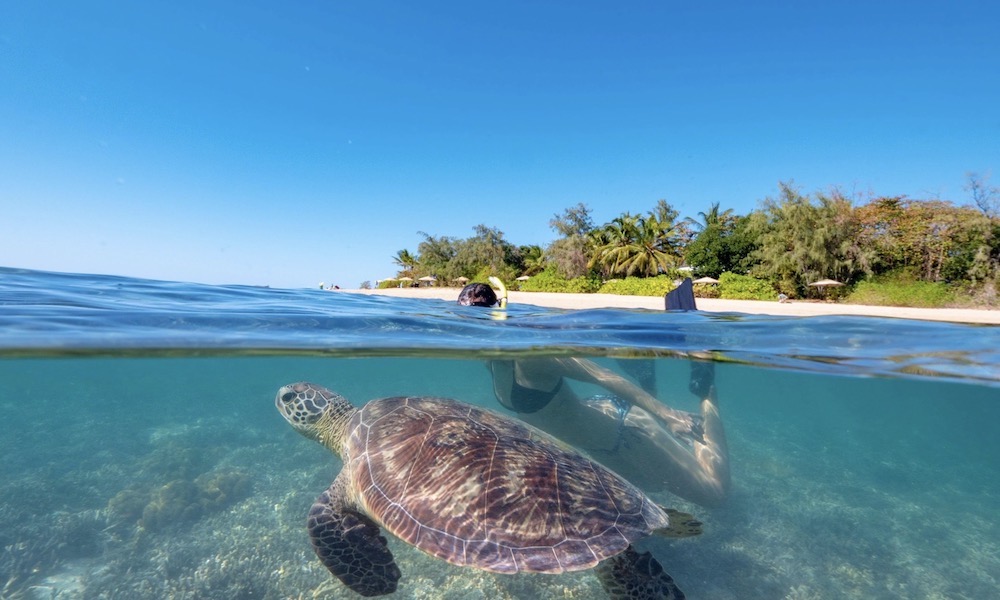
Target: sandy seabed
x,y
753,307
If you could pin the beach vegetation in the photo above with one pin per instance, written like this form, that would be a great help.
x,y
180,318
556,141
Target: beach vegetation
x,y
570,253
435,256
487,252
551,280
720,243
984,196
532,259
802,240
934,240
733,286
901,289
406,263
885,250
639,245
638,286
706,290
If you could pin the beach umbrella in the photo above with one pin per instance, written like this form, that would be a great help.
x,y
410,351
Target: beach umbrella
x,y
825,283
405,279
524,278
462,279
706,280
428,278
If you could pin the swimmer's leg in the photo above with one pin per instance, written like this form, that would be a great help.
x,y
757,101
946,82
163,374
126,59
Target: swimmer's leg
x,y
712,450
643,371
702,377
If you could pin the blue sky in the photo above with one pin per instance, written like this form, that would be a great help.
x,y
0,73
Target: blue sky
x,y
290,143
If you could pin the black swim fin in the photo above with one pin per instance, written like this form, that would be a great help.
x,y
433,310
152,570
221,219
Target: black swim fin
x,y
681,297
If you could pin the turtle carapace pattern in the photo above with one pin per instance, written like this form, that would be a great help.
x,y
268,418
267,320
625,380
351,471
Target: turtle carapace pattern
x,y
474,488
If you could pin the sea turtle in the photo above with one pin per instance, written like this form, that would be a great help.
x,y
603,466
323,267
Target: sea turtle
x,y
474,488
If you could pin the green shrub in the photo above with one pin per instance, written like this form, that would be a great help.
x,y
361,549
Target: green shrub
x,y
638,286
743,287
706,290
894,290
550,280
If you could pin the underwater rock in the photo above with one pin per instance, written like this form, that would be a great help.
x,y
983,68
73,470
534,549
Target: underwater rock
x,y
127,506
182,500
175,502
221,488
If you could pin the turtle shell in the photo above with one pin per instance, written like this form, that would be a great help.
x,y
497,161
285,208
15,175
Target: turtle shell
x,y
479,489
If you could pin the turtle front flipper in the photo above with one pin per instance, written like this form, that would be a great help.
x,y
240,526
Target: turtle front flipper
x,y
349,544
633,576
682,524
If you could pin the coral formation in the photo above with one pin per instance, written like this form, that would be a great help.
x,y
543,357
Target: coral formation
x,y
178,501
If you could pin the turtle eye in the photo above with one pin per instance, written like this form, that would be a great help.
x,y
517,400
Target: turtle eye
x,y
288,397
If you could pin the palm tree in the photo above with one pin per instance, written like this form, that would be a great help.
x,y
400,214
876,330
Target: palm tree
x,y
611,245
533,259
713,218
644,246
654,245
406,262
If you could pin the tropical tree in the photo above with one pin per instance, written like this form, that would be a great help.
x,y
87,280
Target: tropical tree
x,y
713,218
435,255
985,196
570,254
880,230
985,265
406,263
575,220
742,244
708,253
638,245
661,239
486,253
801,241
714,248
613,245
532,259
932,239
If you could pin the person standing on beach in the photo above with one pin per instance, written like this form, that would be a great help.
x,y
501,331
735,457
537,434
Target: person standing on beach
x,y
628,430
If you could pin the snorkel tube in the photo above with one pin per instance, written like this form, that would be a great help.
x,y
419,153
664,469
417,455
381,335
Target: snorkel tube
x,y
503,290
502,298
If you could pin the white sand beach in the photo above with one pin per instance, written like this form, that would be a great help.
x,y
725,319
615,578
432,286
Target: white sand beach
x,y
755,307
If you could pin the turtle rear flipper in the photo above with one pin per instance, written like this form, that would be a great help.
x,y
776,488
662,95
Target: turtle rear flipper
x,y
349,544
634,576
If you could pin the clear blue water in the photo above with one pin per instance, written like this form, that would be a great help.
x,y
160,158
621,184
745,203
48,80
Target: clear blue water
x,y
143,456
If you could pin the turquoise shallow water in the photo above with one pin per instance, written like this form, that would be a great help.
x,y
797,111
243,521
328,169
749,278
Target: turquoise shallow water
x,y
143,456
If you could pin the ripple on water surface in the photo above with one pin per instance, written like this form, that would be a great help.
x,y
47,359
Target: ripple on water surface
x,y
144,457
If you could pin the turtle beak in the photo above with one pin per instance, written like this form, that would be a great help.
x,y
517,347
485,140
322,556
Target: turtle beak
x,y
286,400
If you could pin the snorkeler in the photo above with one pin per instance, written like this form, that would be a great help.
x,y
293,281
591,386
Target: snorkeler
x,y
480,294
628,430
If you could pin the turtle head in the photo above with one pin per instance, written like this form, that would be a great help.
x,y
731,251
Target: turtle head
x,y
314,411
